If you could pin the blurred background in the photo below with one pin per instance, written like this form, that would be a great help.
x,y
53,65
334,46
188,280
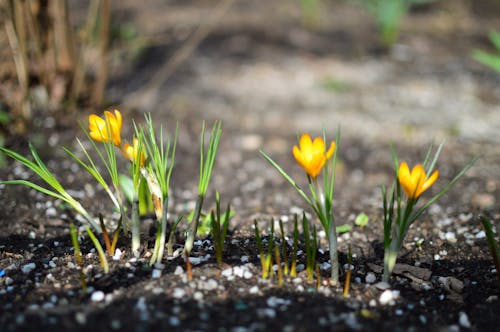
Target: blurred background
x,y
382,69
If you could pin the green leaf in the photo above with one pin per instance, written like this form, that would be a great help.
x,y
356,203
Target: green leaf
x,y
361,220
343,228
495,39
127,187
487,59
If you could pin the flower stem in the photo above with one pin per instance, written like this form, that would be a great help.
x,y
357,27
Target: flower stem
x,y
135,229
390,258
193,226
334,257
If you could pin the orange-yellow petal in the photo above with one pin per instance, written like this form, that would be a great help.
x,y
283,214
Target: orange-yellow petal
x,y
311,154
97,127
330,151
414,183
131,152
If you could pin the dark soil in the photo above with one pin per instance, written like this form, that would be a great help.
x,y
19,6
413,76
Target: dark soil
x,y
262,73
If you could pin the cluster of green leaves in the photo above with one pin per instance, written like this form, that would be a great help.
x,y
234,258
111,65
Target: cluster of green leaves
x,y
149,183
399,215
277,250
320,201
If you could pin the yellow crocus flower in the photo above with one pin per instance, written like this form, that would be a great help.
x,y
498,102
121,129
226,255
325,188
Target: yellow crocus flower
x,y
130,152
99,127
312,155
414,183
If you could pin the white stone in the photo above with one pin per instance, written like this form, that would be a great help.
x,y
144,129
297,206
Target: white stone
x,y
97,296
254,290
227,272
8,281
118,254
156,274
481,235
28,268
178,293
370,278
463,320
389,297
211,284
178,270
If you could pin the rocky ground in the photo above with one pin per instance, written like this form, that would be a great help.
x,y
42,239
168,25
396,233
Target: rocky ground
x,y
268,78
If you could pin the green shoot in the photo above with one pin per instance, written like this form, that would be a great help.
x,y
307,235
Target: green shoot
x,y
158,174
347,284
293,267
78,255
102,256
207,160
278,263
490,236
219,226
283,248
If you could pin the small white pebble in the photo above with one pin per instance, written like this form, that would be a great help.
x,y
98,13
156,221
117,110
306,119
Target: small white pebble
x,y
388,297
118,254
370,278
211,284
178,293
325,266
97,296
195,260
159,266
8,281
198,296
480,235
450,237
80,318
174,321
178,270
227,272
156,274
422,319
254,290
463,320
28,268
247,274
244,259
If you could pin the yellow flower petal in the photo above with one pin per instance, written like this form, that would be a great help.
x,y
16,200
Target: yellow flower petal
x,y
311,155
98,127
414,183
131,152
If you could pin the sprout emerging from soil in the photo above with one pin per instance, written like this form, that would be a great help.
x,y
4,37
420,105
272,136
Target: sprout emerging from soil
x,y
399,215
314,159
